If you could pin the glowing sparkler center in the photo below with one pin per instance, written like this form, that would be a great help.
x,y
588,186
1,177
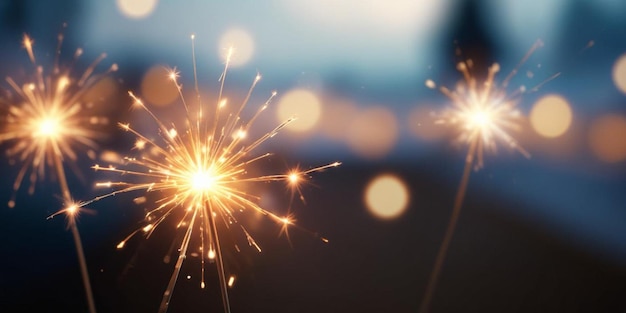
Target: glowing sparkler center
x,y
203,180
293,178
73,209
480,119
48,127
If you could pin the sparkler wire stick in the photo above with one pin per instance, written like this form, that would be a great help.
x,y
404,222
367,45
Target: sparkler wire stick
x,y
49,119
484,113
71,212
456,213
199,171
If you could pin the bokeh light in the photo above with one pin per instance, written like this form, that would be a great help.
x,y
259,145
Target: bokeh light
x,y
103,89
301,104
336,118
386,196
157,88
551,116
422,124
242,44
373,133
619,73
136,9
607,138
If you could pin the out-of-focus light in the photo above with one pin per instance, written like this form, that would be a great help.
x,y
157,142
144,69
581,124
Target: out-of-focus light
x,y
422,124
103,89
386,196
551,116
202,181
337,116
72,209
112,157
607,138
619,73
136,9
301,104
48,127
157,87
373,133
242,44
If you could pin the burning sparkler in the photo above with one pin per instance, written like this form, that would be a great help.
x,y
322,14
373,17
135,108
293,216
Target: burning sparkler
x,y
199,170
484,114
49,119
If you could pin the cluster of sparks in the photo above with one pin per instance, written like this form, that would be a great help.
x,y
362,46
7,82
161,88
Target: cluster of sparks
x,y
44,124
50,120
199,172
199,169
483,113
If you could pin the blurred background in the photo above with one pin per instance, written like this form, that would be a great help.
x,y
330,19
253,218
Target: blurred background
x,y
544,234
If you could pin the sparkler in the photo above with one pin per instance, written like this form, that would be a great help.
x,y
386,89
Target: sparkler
x,y
484,114
200,171
44,126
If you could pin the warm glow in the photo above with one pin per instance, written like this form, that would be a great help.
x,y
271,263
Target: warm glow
x,y
48,127
241,134
242,46
105,88
72,210
619,73
140,144
136,9
202,181
422,123
430,84
481,112
52,114
607,138
172,133
386,196
294,178
480,119
202,171
337,116
301,104
373,133
157,87
551,116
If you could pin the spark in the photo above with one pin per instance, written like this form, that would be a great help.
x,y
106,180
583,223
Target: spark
x,y
45,124
49,118
484,114
199,170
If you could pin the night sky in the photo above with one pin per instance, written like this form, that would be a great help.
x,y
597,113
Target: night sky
x,y
544,234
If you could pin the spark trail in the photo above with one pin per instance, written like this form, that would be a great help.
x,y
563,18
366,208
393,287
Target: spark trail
x,y
46,123
484,114
198,170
